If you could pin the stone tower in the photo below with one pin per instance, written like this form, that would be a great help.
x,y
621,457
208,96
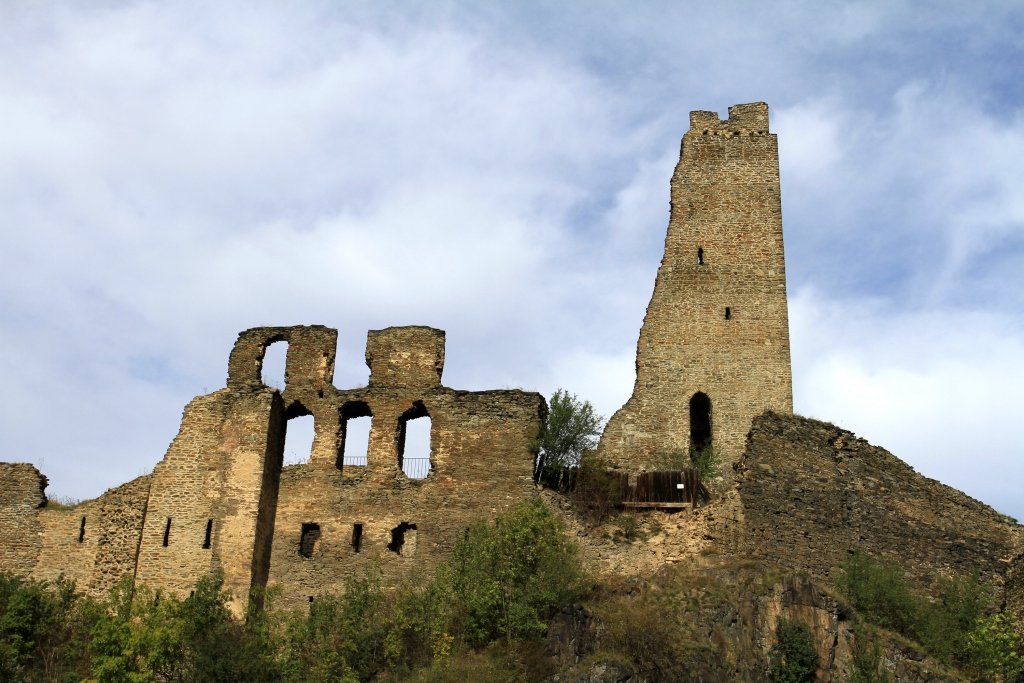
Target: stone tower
x,y
714,347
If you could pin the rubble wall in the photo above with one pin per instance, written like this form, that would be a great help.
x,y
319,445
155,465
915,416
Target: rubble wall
x,y
813,493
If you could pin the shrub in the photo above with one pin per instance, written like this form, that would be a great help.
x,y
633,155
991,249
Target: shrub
x,y
994,650
504,579
793,659
880,592
596,491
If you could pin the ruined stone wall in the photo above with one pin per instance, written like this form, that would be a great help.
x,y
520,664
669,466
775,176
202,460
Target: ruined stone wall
x,y
206,494
94,543
717,321
481,462
220,497
21,494
812,493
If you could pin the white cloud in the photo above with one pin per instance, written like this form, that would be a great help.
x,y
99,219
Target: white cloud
x,y
940,388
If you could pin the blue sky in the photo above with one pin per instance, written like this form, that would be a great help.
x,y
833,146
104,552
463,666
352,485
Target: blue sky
x,y
175,172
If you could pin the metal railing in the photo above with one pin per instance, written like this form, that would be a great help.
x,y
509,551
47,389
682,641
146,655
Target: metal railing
x,y
416,468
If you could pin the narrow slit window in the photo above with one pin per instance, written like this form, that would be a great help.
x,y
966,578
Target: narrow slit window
x,y
209,534
81,531
700,256
728,313
167,532
357,536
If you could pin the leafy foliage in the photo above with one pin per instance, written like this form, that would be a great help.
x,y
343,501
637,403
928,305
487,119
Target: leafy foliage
x,y
793,659
571,429
504,579
957,629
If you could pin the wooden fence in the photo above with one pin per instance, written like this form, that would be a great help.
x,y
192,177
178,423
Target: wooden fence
x,y
665,489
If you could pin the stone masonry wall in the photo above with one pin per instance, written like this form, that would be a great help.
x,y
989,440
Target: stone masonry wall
x,y
230,504
723,252
206,495
812,493
21,495
94,543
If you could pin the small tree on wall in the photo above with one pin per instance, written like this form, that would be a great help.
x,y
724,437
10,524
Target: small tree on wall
x,y
571,430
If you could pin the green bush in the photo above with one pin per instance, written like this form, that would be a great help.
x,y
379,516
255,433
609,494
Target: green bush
x,y
503,580
793,659
958,629
881,593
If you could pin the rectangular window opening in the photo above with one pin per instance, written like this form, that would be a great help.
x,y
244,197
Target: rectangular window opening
x,y
167,532
81,531
209,533
728,313
309,541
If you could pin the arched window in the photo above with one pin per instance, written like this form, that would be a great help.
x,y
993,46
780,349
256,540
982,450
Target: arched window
x,y
356,423
414,441
700,422
300,431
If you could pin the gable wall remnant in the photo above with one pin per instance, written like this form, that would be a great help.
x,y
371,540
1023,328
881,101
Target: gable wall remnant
x,y
717,323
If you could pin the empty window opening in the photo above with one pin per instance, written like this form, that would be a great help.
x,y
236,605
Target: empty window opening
x,y
700,256
357,536
728,313
414,442
309,541
311,599
209,534
272,365
403,539
298,437
81,531
167,532
700,424
356,423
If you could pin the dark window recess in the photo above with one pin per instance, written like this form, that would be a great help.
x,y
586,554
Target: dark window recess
x,y
309,539
700,422
209,533
311,599
700,256
398,537
81,531
167,532
357,536
728,313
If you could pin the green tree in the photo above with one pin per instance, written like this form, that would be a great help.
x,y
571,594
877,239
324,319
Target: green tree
x,y
571,430
794,659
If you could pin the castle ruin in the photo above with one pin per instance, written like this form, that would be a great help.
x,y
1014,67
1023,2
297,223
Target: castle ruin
x,y
712,358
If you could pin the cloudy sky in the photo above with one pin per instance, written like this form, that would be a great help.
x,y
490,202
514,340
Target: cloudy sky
x,y
172,173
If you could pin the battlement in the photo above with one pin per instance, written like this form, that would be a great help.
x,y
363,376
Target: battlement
x,y
744,119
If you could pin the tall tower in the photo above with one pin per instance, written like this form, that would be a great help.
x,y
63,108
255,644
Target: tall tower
x,y
714,347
